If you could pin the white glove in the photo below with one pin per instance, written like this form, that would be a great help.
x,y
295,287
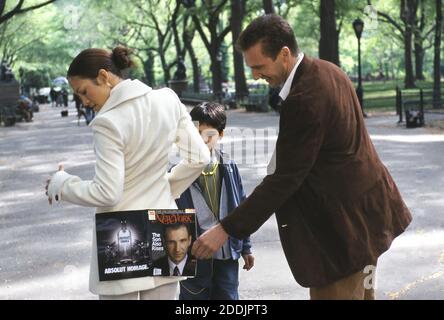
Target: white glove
x,y
56,184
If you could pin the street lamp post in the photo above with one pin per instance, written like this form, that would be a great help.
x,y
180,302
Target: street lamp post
x,y
358,26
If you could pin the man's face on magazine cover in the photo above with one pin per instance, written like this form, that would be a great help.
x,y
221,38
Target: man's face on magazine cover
x,y
177,242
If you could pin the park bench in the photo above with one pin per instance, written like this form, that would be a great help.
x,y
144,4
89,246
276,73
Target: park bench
x,y
413,107
256,102
194,98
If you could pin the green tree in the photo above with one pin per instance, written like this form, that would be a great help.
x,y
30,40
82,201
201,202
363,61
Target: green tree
x,y
209,15
45,51
423,32
7,12
407,13
329,40
238,11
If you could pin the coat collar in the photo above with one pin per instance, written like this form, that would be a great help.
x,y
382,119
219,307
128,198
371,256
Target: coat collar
x,y
302,69
285,91
124,91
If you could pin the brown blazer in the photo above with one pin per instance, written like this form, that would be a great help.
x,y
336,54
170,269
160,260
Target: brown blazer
x,y
337,207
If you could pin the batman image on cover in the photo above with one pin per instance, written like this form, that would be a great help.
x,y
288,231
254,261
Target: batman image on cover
x,y
123,245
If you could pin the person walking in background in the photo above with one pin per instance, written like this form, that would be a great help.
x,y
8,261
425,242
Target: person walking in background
x,y
53,96
78,103
134,131
58,97
80,109
65,97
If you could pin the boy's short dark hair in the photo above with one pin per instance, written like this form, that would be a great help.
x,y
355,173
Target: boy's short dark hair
x,y
210,113
272,31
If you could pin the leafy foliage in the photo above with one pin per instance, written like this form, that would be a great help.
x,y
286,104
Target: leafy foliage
x,y
45,40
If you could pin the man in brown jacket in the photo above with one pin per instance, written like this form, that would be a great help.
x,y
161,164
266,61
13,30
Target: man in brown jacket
x,y
337,207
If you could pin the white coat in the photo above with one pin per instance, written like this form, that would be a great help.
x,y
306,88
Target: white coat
x,y
133,133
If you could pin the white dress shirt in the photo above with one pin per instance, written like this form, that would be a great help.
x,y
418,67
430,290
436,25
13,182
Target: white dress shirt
x,y
285,91
181,265
283,94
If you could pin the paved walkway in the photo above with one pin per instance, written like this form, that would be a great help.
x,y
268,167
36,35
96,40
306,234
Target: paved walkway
x,y
45,251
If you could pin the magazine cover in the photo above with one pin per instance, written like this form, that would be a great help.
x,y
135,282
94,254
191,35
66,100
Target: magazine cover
x,y
140,243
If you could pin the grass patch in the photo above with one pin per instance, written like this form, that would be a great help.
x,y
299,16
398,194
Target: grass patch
x,y
381,96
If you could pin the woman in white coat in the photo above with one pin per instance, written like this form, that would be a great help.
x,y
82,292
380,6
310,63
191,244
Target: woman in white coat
x,y
134,130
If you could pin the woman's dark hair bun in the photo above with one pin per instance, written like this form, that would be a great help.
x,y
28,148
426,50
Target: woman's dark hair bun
x,y
121,57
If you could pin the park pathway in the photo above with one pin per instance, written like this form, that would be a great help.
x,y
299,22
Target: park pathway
x,y
45,251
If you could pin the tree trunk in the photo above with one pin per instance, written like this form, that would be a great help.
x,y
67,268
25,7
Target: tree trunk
x,y
225,64
148,67
214,43
187,41
165,68
174,18
419,43
419,60
409,80
437,60
237,16
5,16
268,6
216,72
408,16
329,42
